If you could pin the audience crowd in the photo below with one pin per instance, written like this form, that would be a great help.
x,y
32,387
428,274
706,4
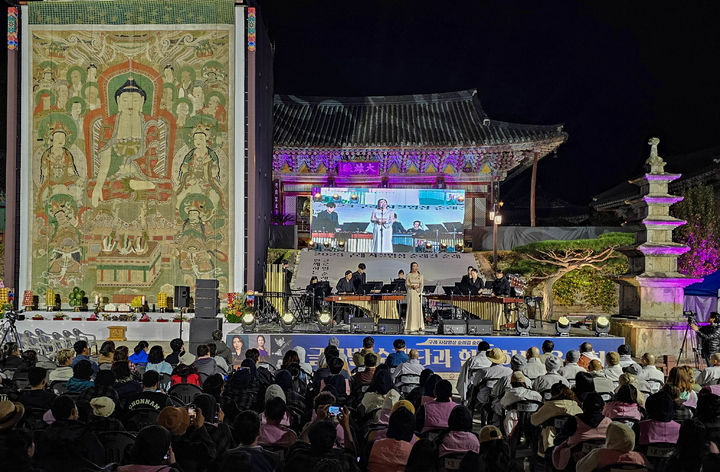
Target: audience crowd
x,y
152,412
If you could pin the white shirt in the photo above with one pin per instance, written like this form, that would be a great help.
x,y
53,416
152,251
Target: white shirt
x,y
494,372
709,376
534,368
411,367
476,362
626,360
613,372
545,382
570,371
650,372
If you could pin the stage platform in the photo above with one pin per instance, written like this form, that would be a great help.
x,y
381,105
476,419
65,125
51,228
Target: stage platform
x,y
441,353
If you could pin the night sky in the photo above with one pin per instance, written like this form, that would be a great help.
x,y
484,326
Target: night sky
x,y
615,73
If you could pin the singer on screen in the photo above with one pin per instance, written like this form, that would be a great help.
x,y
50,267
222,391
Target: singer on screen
x,y
382,219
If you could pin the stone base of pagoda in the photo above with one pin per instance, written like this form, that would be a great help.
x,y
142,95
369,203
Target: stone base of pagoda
x,y
658,337
654,296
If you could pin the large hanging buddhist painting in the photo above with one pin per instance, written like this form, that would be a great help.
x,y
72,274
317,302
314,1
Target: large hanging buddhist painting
x,y
130,157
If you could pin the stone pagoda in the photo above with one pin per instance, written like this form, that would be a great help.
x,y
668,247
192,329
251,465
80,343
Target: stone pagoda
x,y
651,293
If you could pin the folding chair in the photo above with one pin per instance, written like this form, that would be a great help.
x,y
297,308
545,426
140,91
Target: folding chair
x,y
184,393
524,428
115,443
406,383
90,338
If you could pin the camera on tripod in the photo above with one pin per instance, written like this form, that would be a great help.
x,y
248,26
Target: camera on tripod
x,y
690,317
12,316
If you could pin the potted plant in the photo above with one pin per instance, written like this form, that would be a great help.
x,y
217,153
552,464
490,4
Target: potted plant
x,y
240,305
179,318
37,317
59,316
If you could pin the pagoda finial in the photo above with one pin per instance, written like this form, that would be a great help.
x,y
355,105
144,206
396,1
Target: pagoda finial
x,y
655,162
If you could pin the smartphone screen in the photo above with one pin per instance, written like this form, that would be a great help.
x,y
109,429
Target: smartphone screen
x,y
334,410
191,412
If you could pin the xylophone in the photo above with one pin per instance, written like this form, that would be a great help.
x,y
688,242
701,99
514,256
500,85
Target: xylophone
x,y
484,307
379,306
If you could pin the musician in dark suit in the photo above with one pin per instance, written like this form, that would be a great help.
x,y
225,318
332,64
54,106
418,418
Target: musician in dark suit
x,y
326,220
314,294
287,276
345,285
501,284
417,233
466,278
359,278
399,283
474,283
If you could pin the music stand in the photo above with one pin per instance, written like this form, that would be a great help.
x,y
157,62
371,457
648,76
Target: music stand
x,y
355,227
449,290
372,287
388,288
429,289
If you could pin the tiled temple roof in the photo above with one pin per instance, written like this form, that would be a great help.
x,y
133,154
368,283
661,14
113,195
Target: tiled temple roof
x,y
454,119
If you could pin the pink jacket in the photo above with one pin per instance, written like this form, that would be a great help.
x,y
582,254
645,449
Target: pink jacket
x,y
437,414
389,455
619,409
652,431
561,454
271,435
602,457
459,441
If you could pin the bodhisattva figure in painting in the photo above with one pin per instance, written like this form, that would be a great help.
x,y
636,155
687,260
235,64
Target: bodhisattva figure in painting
x,y
57,167
127,147
200,170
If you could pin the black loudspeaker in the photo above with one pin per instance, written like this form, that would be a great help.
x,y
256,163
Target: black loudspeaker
x,y
362,325
205,308
207,283
452,327
201,331
389,326
182,296
206,294
477,327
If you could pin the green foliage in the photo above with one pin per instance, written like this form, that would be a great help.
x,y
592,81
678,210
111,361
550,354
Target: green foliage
x,y
701,210
276,255
598,244
586,285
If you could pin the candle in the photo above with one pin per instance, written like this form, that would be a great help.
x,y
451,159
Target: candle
x,y
143,300
97,299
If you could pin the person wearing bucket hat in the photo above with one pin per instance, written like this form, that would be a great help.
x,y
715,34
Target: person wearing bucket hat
x,y
545,382
10,414
497,371
571,368
517,362
101,419
194,448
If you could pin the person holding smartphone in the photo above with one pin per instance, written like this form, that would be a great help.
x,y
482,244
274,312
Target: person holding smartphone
x,y
194,448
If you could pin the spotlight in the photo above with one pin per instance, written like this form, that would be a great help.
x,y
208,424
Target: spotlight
x,y
459,247
428,246
601,325
325,320
498,219
248,322
353,197
461,199
336,197
491,214
443,247
341,245
562,326
522,326
311,244
288,321
318,196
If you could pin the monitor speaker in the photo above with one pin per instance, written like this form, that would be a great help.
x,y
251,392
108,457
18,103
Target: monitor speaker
x,y
453,327
182,296
389,326
477,327
201,329
362,325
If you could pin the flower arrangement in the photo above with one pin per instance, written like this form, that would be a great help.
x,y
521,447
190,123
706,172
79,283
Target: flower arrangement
x,y
178,318
59,316
240,305
37,317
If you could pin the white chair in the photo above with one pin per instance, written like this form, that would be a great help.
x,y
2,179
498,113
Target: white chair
x,y
90,338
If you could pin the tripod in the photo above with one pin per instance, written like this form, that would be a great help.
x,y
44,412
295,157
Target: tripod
x,y
692,343
9,330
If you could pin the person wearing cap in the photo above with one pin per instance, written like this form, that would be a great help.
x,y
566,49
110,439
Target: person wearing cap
x,y
619,445
194,448
490,375
589,425
246,431
273,432
494,454
651,373
469,368
101,419
535,366
518,391
571,367
67,444
613,370
562,403
659,426
435,414
392,452
545,382
152,445
64,370
36,396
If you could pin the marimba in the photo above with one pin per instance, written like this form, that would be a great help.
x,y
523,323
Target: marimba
x,y
484,307
379,306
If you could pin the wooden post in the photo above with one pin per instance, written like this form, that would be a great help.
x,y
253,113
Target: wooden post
x,y
11,147
533,182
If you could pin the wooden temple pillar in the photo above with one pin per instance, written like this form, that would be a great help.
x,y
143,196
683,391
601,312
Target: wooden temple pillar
x,y
11,153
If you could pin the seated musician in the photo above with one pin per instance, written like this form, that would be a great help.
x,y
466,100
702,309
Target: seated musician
x,y
474,283
501,284
417,232
345,285
326,220
466,278
359,279
314,293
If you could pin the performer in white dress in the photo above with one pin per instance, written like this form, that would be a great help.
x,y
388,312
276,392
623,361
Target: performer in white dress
x,y
414,282
382,219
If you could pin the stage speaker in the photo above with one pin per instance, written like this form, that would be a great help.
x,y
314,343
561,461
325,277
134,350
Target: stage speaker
x,y
452,327
207,283
206,293
389,326
477,327
362,325
182,296
201,331
206,308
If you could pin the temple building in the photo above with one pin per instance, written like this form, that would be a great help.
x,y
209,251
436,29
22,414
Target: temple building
x,y
442,140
